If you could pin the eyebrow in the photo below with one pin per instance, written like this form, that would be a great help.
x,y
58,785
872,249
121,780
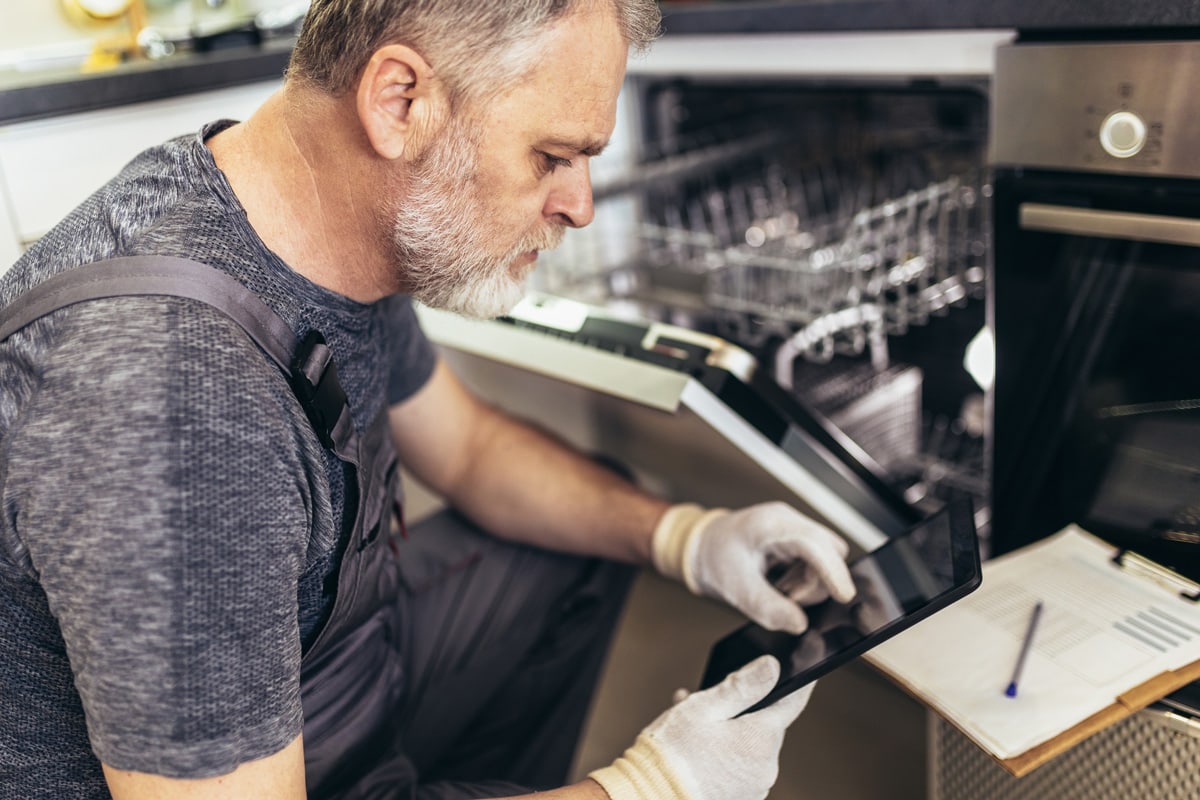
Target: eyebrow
x,y
588,147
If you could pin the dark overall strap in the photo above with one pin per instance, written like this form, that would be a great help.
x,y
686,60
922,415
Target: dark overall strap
x,y
352,673
308,365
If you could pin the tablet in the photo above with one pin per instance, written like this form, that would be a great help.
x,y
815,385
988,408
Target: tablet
x,y
924,569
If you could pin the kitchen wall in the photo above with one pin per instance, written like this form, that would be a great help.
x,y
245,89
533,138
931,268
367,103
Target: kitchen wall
x,y
38,29
51,160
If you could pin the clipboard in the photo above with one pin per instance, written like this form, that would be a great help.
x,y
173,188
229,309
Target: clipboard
x,y
1118,632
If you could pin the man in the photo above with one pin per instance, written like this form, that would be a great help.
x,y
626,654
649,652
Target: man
x,y
201,597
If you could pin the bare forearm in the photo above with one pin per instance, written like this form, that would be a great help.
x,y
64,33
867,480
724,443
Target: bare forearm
x,y
586,789
516,481
527,486
277,776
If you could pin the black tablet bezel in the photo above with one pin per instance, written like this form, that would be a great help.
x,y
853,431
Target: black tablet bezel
x,y
967,577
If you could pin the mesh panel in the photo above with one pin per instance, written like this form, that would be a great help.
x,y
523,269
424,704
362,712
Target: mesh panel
x,y
1139,758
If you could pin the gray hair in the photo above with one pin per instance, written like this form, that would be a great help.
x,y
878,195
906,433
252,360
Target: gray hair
x,y
458,37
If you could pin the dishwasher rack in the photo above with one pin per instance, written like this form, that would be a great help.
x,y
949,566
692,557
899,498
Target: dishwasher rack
x,y
757,259
813,263
890,266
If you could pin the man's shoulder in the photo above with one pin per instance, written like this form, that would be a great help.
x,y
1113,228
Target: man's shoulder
x,y
157,183
162,362
164,332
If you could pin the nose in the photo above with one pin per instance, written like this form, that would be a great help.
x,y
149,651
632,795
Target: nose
x,y
570,199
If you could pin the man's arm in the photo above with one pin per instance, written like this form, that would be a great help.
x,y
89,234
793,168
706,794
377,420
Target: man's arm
x,y
517,482
523,485
277,776
699,749
280,777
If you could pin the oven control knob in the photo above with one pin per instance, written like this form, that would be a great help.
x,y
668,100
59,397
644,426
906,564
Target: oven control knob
x,y
1123,134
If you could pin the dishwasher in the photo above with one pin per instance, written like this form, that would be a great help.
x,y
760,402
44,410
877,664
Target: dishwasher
x,y
782,296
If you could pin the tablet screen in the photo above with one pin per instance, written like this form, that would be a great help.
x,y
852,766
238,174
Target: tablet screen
x,y
905,580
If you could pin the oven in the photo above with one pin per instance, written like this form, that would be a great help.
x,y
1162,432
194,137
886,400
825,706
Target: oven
x,y
1093,300
1095,295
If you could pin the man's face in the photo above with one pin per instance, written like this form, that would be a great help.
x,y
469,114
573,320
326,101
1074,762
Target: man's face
x,y
500,185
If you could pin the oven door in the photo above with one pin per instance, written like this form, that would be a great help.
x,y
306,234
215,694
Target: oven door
x,y
1095,305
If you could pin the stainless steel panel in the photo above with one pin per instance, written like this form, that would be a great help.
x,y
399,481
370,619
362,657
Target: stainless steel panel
x,y
1050,103
678,455
680,438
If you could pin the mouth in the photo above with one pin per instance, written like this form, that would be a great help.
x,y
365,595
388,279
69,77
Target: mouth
x,y
524,262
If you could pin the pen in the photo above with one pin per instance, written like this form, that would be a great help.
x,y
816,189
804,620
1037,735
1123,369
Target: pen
x,y
1011,691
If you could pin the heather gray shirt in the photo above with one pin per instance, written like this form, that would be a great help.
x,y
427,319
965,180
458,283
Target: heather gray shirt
x,y
169,523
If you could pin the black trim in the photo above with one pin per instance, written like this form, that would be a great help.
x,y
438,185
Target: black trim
x,y
1109,35
780,16
796,427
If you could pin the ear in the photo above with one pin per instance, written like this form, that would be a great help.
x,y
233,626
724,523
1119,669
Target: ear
x,y
398,101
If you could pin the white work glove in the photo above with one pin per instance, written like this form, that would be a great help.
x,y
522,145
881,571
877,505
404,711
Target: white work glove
x,y
697,750
726,555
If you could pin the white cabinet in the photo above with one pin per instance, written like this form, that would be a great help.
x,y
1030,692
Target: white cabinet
x,y
47,167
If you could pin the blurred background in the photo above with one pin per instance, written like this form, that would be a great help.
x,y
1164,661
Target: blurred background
x,y
867,257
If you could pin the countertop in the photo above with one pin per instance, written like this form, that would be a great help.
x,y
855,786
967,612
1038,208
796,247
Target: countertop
x,y
47,93
54,92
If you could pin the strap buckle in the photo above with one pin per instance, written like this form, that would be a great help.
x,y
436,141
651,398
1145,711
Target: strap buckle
x,y
314,379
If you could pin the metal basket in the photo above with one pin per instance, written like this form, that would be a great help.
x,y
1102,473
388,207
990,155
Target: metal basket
x,y
1152,755
890,266
806,256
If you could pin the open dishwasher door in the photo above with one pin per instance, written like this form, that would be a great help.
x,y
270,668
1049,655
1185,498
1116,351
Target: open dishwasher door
x,y
687,412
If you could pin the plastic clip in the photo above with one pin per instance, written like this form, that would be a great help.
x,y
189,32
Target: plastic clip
x,y
315,382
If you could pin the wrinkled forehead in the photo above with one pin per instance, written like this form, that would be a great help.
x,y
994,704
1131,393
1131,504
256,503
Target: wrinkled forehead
x,y
571,89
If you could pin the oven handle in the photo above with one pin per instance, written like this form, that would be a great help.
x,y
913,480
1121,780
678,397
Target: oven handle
x,y
1110,224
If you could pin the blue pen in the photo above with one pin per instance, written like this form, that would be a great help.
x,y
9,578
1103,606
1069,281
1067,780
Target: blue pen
x,y
1011,691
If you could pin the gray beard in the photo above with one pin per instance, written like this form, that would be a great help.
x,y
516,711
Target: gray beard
x,y
440,247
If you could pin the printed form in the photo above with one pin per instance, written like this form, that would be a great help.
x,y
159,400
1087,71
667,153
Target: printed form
x,y
1104,631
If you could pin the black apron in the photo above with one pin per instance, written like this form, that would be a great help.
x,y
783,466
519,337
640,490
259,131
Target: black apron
x,y
351,673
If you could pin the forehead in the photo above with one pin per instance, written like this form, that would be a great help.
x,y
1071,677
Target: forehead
x,y
570,95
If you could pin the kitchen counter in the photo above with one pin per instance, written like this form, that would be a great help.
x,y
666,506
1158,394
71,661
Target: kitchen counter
x,y
42,93
50,92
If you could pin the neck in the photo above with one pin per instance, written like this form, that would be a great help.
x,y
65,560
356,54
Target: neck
x,y
309,182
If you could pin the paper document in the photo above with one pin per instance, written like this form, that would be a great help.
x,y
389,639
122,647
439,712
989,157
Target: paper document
x,y
1103,632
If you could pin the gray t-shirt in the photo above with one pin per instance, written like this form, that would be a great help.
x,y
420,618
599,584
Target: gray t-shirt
x,y
169,523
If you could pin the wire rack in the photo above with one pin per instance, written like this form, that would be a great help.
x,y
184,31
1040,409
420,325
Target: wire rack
x,y
901,258
811,264
829,259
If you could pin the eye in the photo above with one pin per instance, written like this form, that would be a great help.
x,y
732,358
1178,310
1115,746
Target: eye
x,y
549,162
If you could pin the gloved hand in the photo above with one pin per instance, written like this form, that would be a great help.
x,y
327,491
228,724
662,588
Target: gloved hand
x,y
726,555
696,750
